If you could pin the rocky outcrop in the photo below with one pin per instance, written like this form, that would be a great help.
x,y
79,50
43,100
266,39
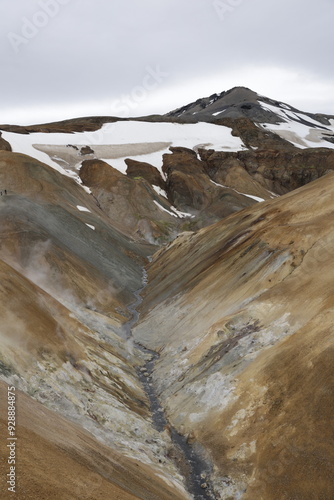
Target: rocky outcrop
x,y
139,169
278,171
190,188
254,136
86,150
4,145
131,203
185,179
138,210
229,171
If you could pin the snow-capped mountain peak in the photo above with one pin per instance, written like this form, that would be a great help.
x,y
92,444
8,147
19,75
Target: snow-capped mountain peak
x,y
301,128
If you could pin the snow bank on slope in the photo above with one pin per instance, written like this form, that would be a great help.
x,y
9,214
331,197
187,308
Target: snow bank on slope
x,y
160,191
82,209
173,211
128,133
256,198
298,133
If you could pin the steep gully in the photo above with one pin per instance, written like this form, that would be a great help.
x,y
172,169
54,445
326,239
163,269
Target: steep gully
x,y
193,467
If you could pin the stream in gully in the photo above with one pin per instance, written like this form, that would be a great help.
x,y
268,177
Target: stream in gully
x,y
198,470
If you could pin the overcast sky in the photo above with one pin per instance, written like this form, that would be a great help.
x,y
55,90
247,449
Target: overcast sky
x,y
68,58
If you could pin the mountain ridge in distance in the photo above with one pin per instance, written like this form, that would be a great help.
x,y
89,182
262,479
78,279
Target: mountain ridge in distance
x,y
237,102
243,102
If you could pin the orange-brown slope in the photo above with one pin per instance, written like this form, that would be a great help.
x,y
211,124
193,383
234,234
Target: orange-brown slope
x,y
64,288
88,378
242,314
56,459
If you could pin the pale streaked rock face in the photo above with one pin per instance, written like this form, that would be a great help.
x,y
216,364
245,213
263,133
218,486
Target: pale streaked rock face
x,y
243,319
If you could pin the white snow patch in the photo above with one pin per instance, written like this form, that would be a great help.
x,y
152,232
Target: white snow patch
x,y
164,209
24,144
300,135
274,109
92,227
173,211
83,209
301,116
181,214
220,185
127,132
256,198
160,191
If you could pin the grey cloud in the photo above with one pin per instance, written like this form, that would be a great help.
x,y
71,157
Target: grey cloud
x,y
97,50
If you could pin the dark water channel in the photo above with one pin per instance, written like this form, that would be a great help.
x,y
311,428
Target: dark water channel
x,y
197,470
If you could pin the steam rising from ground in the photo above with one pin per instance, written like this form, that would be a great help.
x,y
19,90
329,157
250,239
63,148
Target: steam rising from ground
x,y
40,268
12,331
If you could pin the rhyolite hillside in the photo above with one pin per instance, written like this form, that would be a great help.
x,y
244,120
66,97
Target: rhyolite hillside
x,y
167,303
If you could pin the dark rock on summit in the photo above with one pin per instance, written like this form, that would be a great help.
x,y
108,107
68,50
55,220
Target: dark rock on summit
x,y
240,102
